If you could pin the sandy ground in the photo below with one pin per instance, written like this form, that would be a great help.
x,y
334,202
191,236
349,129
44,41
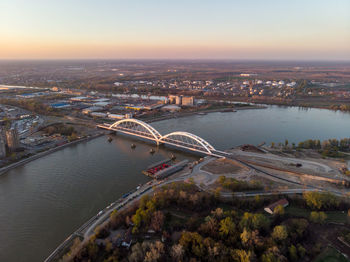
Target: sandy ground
x,y
321,167
223,166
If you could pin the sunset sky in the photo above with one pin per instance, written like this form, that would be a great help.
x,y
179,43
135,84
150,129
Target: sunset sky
x,y
194,29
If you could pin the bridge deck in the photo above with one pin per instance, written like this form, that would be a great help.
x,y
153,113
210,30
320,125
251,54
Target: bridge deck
x,y
194,146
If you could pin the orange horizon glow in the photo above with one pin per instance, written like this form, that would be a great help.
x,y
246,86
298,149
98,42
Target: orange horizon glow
x,y
183,30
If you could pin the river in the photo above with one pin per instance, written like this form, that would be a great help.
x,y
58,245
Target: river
x,y
44,201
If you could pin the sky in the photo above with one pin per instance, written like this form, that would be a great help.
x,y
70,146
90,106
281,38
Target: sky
x,y
175,29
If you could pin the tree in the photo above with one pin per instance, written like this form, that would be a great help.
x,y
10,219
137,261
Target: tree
x,y
254,221
318,217
217,193
210,227
323,217
279,210
293,253
319,200
246,238
193,243
273,254
286,143
137,253
297,228
157,221
279,233
177,252
251,239
218,213
240,255
301,250
227,226
155,252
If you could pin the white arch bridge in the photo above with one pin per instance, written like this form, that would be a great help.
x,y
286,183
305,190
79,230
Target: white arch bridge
x,y
178,139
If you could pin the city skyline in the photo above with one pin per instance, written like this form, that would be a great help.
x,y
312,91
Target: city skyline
x,y
272,30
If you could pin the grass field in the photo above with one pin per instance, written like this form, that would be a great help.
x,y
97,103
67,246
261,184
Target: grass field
x,y
332,216
330,254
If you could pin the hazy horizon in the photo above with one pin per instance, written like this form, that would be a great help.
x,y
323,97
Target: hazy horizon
x,y
182,30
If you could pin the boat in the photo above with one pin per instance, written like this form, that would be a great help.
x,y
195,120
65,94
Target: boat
x,y
172,157
152,151
110,139
133,146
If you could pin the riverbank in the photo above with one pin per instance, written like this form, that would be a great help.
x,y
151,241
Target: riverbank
x,y
83,231
186,114
45,153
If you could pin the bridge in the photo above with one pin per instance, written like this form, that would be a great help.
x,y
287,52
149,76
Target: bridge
x,y
177,139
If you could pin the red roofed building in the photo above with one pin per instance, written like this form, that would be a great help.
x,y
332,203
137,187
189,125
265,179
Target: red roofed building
x,y
270,208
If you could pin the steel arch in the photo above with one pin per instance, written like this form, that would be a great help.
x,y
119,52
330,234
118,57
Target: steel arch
x,y
149,128
208,147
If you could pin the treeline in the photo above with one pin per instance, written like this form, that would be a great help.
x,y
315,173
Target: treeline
x,y
62,129
330,147
190,225
342,107
59,129
32,105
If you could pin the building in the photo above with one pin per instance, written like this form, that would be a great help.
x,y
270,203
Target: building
x,y
172,99
178,100
98,114
119,117
271,208
80,99
60,105
187,100
88,110
12,139
181,100
2,144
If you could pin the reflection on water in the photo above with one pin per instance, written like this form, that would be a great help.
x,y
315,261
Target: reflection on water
x,y
44,201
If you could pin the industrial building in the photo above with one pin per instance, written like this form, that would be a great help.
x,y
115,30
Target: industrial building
x,y
12,139
181,100
2,144
187,100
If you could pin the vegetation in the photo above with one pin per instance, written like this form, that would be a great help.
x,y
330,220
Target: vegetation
x,y
181,223
59,129
63,130
328,148
238,185
33,105
330,254
321,200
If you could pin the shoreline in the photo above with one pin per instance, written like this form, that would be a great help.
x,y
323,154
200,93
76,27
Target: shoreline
x,y
156,119
7,168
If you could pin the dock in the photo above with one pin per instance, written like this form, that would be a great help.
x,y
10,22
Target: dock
x,y
155,167
170,170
